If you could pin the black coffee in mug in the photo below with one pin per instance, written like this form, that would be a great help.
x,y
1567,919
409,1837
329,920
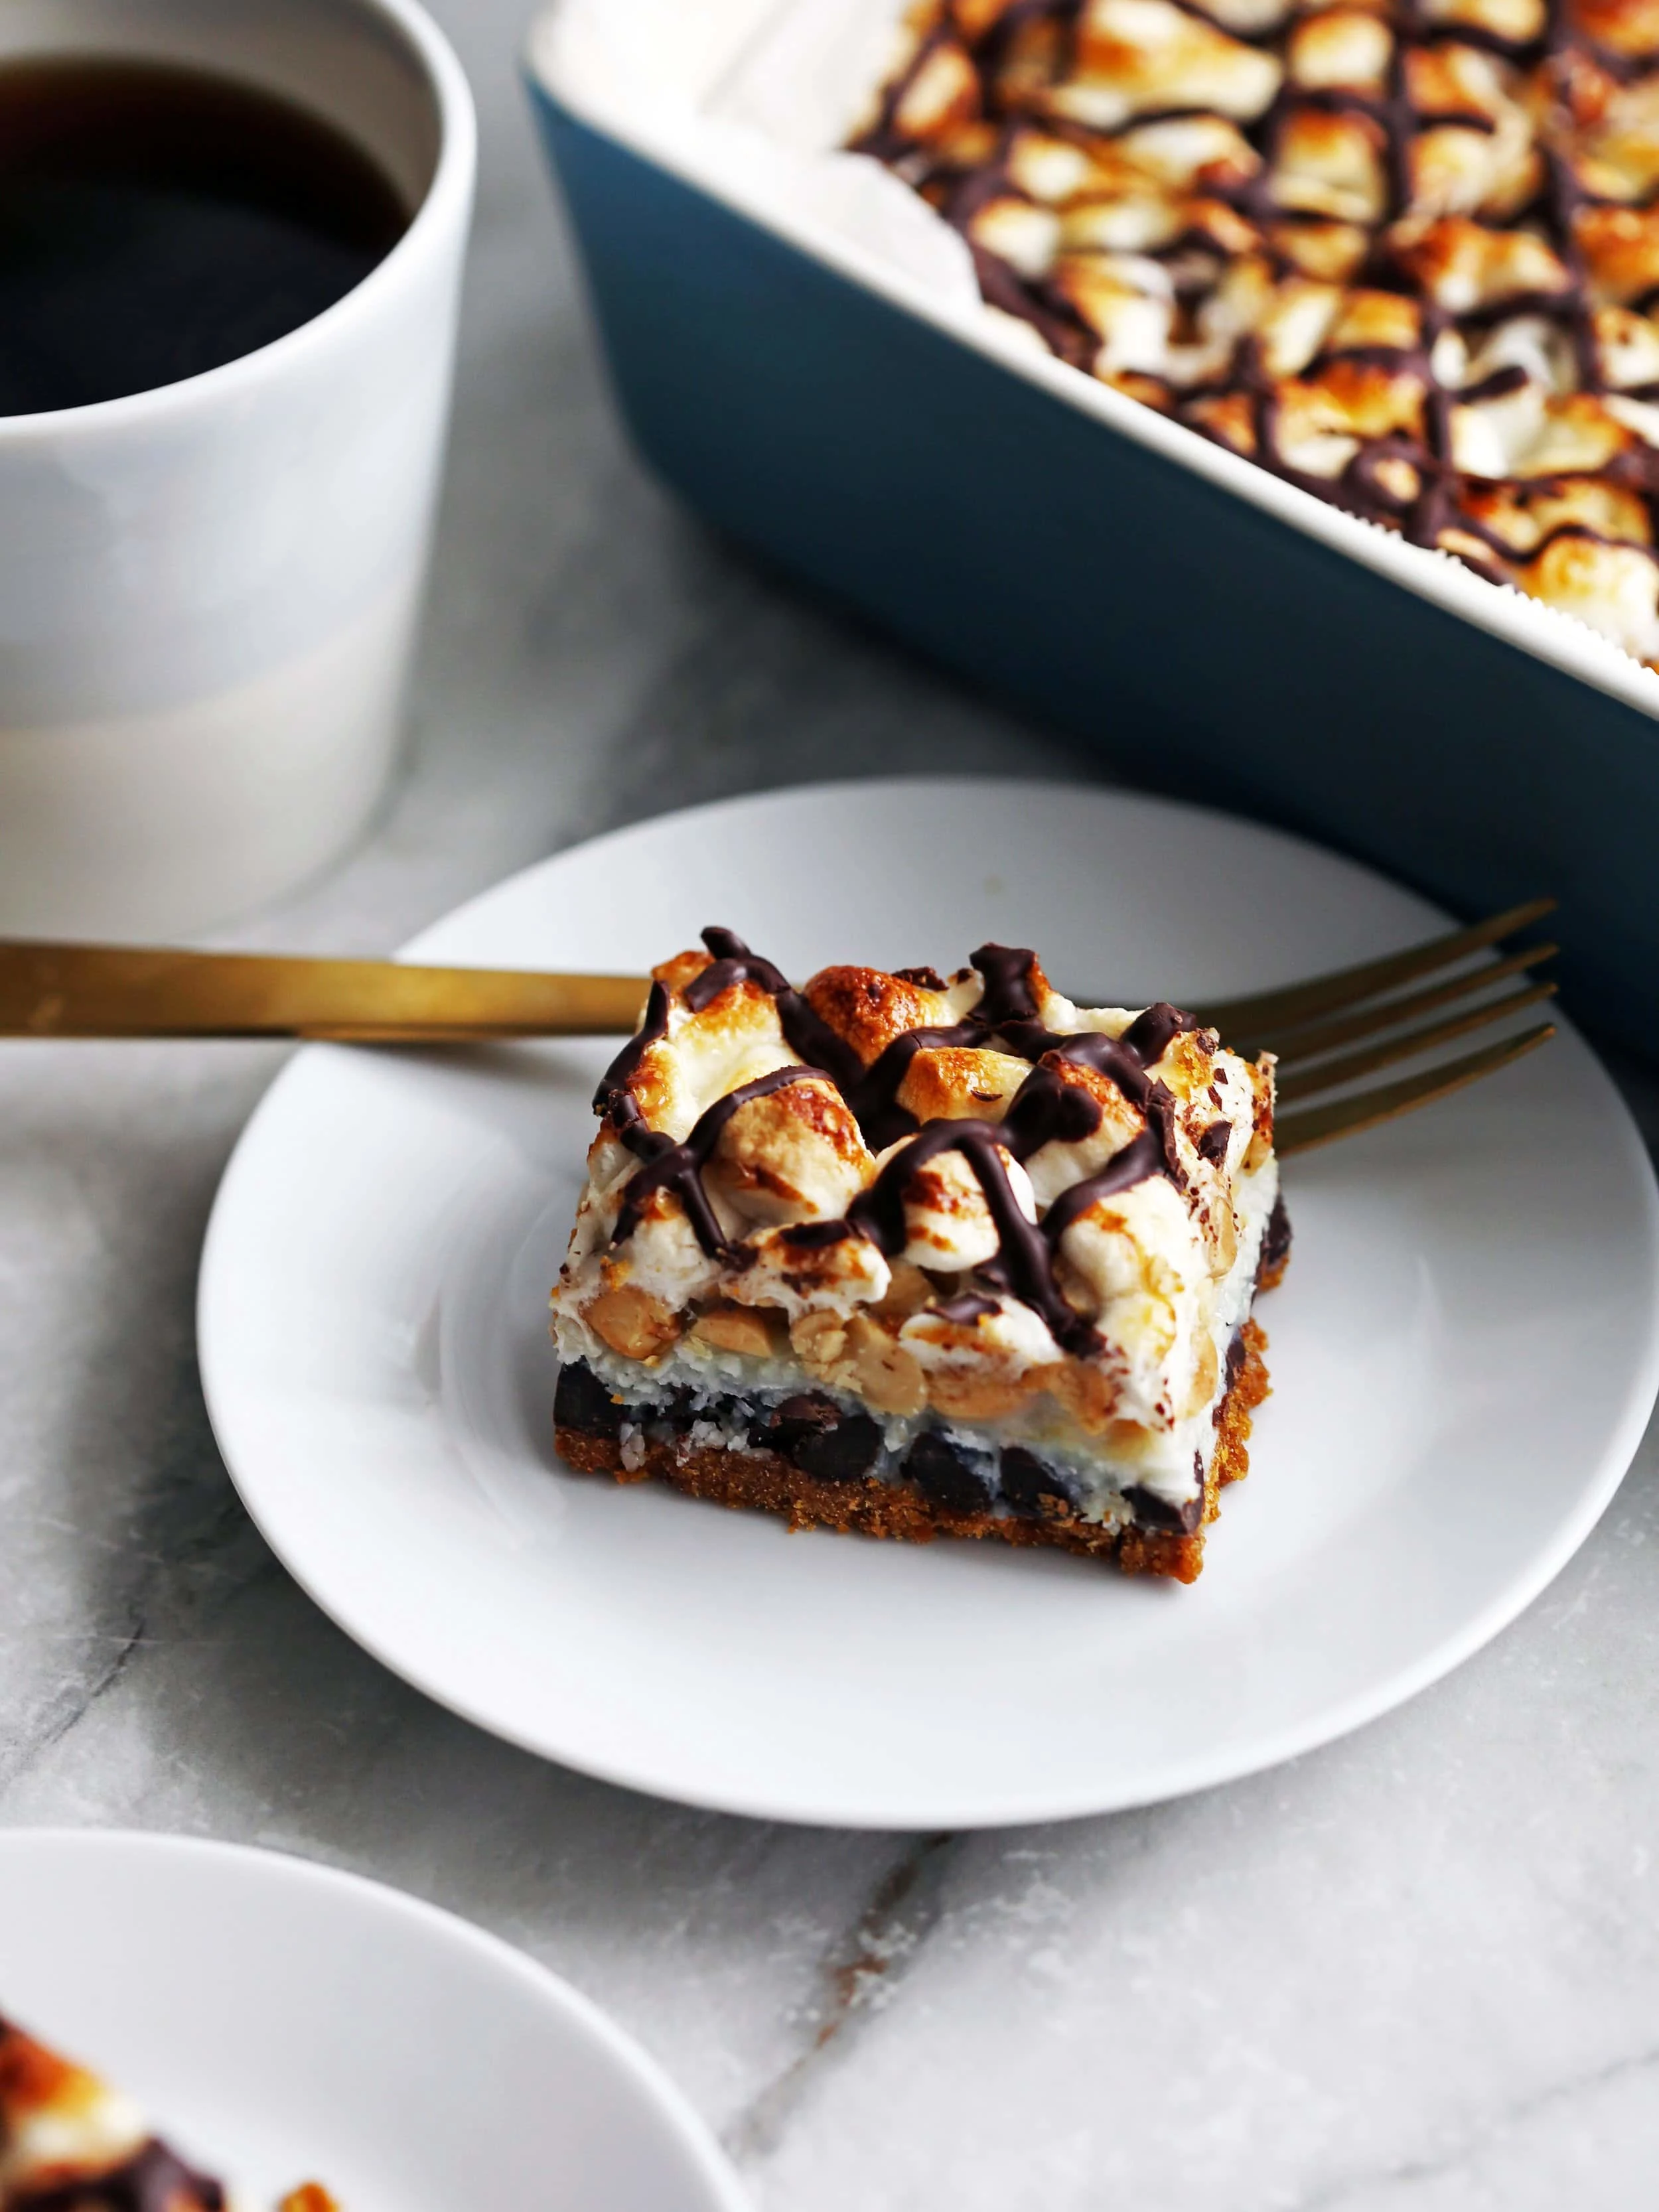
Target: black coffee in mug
x,y
156,221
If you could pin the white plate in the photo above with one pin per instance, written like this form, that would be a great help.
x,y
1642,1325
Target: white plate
x,y
281,2022
1464,1354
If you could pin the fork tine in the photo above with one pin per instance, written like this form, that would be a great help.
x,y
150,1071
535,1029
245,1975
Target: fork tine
x,y
1316,1037
1331,1074
1300,1002
1343,1117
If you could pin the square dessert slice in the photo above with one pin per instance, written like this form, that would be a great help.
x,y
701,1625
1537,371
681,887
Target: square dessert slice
x,y
914,1257
70,2142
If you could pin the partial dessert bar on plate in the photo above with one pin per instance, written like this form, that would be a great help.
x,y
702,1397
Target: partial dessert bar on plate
x,y
1406,255
70,2142
913,1256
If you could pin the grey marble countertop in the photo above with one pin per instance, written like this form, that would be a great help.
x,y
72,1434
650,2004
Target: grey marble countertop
x,y
1420,1969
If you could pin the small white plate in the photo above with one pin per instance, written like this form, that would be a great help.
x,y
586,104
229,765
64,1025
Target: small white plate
x,y
281,2022
1464,1354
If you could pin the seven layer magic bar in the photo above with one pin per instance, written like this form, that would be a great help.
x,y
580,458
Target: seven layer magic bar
x,y
69,2141
1404,253
913,1256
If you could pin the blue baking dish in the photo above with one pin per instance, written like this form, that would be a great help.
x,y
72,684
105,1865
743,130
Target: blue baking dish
x,y
1211,628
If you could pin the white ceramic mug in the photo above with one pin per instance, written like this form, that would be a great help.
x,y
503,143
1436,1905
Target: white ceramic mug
x,y
208,591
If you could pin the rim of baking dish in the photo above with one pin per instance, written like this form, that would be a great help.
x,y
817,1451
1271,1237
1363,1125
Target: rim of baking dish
x,y
682,140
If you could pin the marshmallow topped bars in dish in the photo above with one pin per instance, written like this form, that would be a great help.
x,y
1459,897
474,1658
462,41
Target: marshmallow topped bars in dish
x,y
912,1257
1405,253
69,2142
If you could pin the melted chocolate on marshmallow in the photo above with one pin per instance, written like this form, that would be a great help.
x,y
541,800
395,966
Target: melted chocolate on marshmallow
x,y
152,2180
803,1030
1044,1110
1405,479
668,1166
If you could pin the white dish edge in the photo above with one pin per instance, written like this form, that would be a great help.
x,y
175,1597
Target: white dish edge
x,y
693,2134
670,133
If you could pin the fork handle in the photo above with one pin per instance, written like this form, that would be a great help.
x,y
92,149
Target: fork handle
x,y
48,990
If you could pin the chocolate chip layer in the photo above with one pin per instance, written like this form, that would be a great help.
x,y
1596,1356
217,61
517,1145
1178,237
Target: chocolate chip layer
x,y
581,1401
832,1444
822,1439
948,1476
1032,1485
765,1481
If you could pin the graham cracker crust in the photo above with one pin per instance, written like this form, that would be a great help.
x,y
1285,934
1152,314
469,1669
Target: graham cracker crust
x,y
763,1481
1270,1274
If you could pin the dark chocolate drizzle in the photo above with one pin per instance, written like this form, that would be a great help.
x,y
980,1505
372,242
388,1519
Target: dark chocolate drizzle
x,y
1023,1265
1009,994
1046,1109
1440,506
1008,1001
153,2180
819,1235
873,1094
1141,1158
804,1031
1150,1036
678,1168
614,1082
964,1310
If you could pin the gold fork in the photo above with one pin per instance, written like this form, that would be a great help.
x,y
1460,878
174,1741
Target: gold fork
x,y
1329,1033
1369,1006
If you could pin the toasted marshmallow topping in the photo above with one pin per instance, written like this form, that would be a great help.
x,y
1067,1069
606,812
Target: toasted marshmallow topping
x,y
68,2139
1400,251
58,2122
972,1200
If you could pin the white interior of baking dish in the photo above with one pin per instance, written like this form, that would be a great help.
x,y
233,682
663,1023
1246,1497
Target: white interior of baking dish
x,y
750,100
